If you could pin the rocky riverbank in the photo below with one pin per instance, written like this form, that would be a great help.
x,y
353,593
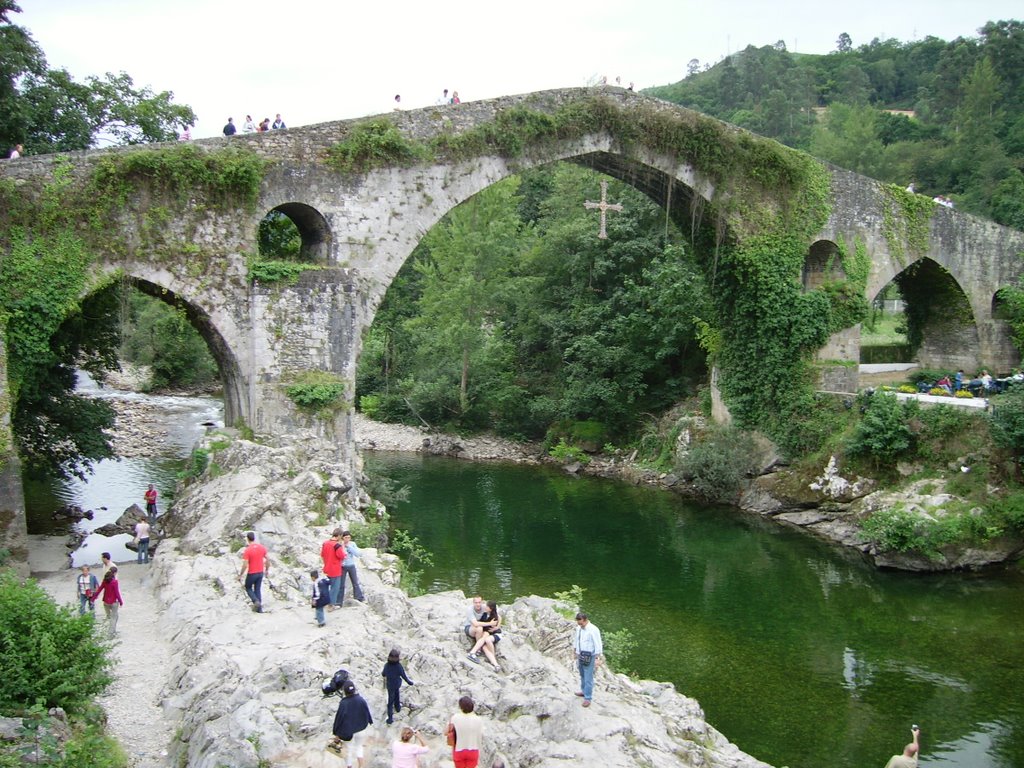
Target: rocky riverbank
x,y
244,688
825,504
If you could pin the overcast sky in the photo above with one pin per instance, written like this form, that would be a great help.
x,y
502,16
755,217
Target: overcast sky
x,y
319,60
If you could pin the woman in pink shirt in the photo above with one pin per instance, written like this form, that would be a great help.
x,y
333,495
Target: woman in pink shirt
x,y
405,754
111,598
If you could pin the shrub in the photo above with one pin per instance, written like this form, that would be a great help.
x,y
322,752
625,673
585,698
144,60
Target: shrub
x,y
374,144
50,653
718,464
1007,423
963,393
883,433
369,405
568,453
618,647
938,392
316,390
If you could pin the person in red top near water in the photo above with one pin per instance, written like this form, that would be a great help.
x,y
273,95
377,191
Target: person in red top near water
x,y
112,601
255,565
150,497
333,554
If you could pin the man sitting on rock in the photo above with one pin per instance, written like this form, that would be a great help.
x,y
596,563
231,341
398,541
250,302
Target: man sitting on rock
x,y
476,626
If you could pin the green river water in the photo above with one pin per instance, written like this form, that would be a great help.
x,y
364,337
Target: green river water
x,y
801,653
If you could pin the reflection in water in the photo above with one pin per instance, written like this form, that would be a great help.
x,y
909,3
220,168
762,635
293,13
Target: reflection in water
x,y
116,484
799,652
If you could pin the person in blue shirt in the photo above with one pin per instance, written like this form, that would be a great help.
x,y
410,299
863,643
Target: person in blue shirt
x,y
589,653
348,569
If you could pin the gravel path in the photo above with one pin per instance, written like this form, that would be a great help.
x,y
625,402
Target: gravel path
x,y
142,655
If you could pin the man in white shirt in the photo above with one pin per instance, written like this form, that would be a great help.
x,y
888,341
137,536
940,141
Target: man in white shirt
x,y
142,541
589,653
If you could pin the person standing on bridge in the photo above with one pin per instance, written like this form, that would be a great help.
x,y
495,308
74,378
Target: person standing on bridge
x,y
278,123
229,128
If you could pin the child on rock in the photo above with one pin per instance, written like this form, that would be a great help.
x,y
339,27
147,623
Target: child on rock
x,y
394,674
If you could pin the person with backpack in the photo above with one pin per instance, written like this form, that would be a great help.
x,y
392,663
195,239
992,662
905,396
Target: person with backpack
x,y
394,674
321,596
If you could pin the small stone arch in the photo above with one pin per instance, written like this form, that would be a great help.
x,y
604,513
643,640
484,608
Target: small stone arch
x,y
823,264
225,357
317,238
1000,307
941,323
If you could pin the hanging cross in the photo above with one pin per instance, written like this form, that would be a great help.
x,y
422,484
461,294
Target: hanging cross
x,y
603,206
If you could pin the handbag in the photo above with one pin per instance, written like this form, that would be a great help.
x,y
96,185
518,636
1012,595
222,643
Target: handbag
x,y
586,658
450,734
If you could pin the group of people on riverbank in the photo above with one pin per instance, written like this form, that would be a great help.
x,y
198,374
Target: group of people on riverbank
x,y
465,728
463,733
90,589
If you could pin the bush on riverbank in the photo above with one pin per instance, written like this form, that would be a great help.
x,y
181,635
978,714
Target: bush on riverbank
x,y
718,465
52,662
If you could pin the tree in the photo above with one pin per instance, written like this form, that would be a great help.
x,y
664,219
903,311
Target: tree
x,y
19,56
47,111
844,44
692,67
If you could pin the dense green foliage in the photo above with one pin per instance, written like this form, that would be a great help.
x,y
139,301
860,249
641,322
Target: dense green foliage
x,y
512,314
1008,423
719,463
50,332
160,336
47,111
964,140
316,391
883,433
50,654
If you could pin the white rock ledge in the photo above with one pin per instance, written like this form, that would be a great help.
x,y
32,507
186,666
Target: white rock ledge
x,y
237,675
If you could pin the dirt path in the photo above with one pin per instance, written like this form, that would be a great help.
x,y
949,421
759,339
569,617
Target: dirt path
x,y
142,655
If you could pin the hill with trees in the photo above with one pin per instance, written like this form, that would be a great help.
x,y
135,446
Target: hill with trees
x,y
948,116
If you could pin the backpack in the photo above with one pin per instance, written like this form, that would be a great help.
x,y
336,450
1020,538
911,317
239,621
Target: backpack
x,y
324,588
333,685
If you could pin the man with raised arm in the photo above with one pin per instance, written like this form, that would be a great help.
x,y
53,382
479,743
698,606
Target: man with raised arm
x,y
909,757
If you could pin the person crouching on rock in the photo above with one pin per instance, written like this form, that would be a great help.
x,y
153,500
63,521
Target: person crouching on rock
x,y
350,724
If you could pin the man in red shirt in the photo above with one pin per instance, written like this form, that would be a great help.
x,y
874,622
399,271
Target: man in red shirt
x,y
333,554
255,564
150,497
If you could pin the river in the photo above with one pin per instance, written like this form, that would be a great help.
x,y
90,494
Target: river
x,y
801,653
116,484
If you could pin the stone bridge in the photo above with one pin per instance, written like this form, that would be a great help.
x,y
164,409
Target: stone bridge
x,y
360,218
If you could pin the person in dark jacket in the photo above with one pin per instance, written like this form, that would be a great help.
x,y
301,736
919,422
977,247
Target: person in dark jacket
x,y
394,674
351,721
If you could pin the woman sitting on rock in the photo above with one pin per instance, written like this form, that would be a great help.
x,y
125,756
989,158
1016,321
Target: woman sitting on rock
x,y
490,637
